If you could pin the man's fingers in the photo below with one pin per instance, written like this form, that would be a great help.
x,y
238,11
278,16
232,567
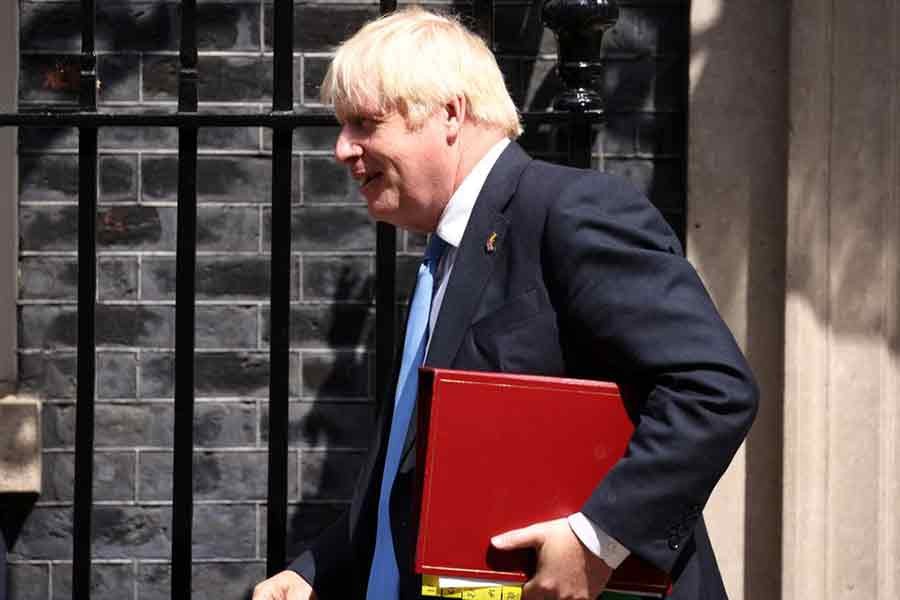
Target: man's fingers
x,y
526,537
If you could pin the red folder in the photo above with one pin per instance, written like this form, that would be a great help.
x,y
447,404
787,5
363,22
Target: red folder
x,y
503,451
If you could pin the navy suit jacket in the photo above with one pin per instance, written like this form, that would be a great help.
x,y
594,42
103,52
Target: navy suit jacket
x,y
586,280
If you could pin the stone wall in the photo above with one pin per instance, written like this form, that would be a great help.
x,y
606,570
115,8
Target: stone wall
x,y
332,282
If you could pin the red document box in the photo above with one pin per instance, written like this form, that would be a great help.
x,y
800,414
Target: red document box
x,y
505,451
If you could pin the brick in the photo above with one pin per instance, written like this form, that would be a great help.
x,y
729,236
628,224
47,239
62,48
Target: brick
x,y
337,375
319,28
542,84
518,30
48,278
46,534
221,78
650,29
228,228
338,278
232,374
336,326
645,84
314,137
314,69
239,476
116,375
56,227
327,424
217,278
226,327
49,78
223,531
47,138
118,425
228,138
219,179
47,26
29,581
147,26
329,475
616,136
661,133
118,77
48,178
214,581
157,375
146,227
659,180
48,227
118,178
117,278
108,581
113,476
48,376
209,580
137,138
138,26
326,228
326,181
48,326
221,425
225,26
132,531
216,374
545,138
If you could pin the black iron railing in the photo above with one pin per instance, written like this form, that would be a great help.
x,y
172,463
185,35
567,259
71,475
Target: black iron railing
x,y
583,109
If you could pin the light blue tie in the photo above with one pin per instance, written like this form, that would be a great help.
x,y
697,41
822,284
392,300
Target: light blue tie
x,y
384,578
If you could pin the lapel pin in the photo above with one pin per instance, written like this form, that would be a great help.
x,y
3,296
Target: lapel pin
x,y
490,244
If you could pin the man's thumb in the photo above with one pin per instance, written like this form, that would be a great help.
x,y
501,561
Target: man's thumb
x,y
527,537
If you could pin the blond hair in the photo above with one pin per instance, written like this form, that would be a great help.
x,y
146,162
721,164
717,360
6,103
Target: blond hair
x,y
414,61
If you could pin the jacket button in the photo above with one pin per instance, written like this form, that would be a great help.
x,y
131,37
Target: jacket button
x,y
673,543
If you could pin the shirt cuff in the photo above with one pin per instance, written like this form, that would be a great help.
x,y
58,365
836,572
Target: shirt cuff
x,y
604,546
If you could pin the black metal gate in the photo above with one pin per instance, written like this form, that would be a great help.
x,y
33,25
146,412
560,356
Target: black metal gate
x,y
579,65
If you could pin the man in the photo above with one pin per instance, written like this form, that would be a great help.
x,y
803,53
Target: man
x,y
547,270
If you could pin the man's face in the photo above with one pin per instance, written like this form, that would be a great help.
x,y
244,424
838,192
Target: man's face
x,y
405,175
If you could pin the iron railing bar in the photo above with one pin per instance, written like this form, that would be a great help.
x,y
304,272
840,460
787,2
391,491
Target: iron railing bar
x,y
280,280
579,152
185,293
81,119
205,119
87,294
385,295
385,311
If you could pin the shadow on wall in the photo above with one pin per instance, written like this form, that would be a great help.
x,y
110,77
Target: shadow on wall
x,y
644,141
715,58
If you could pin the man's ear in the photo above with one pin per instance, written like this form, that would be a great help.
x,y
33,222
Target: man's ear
x,y
455,112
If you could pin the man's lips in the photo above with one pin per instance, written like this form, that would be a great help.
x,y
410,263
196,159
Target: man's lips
x,y
365,181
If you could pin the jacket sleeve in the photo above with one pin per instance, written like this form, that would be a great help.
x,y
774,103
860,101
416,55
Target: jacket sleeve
x,y
327,561
629,300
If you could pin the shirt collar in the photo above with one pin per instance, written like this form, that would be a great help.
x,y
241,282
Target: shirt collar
x,y
455,217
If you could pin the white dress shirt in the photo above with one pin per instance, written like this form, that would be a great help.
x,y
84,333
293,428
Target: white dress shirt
x,y
451,227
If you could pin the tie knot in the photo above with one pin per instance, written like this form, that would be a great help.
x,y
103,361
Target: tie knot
x,y
434,250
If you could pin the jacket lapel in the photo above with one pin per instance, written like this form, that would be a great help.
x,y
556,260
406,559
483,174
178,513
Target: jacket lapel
x,y
474,261
471,271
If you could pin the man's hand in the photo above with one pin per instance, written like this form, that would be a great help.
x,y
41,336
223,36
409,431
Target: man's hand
x,y
286,585
566,570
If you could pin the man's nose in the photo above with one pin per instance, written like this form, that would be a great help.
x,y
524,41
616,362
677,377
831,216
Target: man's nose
x,y
346,148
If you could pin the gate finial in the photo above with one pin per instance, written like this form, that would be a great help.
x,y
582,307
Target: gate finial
x,y
579,26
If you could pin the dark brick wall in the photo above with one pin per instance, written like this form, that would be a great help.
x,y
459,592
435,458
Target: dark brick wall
x,y
332,272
